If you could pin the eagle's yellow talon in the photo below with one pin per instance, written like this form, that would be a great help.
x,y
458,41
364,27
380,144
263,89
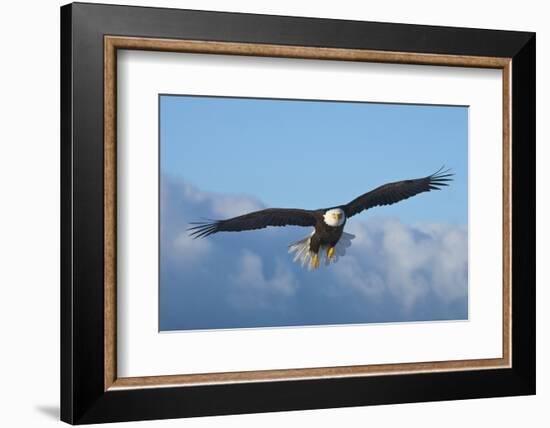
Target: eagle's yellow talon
x,y
316,261
330,252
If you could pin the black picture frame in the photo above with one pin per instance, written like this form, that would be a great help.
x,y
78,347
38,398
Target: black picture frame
x,y
83,397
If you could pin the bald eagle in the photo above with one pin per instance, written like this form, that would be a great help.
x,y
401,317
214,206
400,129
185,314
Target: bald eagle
x,y
328,238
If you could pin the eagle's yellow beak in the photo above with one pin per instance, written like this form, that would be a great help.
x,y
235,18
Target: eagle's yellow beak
x,y
338,216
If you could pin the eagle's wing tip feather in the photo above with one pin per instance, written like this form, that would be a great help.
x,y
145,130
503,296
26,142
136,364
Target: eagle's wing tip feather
x,y
202,229
440,178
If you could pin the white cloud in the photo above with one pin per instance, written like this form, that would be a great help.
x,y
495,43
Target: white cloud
x,y
231,206
219,205
189,250
252,284
349,272
407,261
392,271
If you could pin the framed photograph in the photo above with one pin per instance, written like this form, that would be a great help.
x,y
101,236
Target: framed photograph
x,y
265,213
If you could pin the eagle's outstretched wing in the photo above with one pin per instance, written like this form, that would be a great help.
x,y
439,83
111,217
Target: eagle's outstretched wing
x,y
394,192
255,220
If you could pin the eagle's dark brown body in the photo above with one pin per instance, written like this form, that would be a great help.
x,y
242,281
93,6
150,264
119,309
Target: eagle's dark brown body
x,y
325,235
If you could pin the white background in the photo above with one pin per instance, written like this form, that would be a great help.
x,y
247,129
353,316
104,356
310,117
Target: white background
x,y
29,230
144,352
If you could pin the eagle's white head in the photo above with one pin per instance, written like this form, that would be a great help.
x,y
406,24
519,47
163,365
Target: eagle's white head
x,y
335,217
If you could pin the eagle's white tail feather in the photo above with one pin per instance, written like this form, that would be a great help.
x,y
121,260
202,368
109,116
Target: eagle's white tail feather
x,y
305,256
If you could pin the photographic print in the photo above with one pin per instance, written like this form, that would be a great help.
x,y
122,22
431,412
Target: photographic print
x,y
284,212
303,199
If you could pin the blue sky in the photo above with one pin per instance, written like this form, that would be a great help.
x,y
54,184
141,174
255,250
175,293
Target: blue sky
x,y
314,154
222,157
